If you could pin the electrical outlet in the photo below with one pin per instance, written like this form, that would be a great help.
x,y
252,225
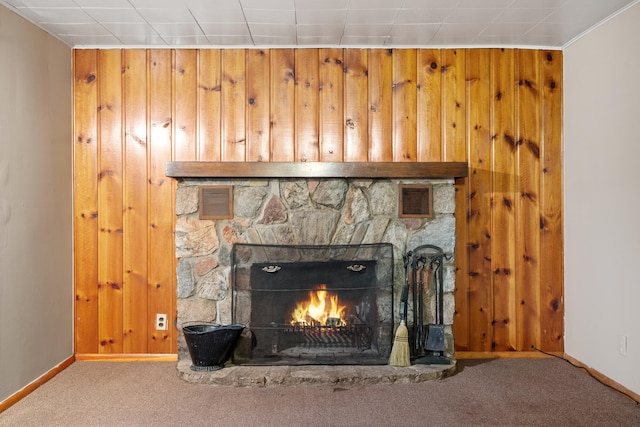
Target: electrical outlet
x,y
622,344
161,322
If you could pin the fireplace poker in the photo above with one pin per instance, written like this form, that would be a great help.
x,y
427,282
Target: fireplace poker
x,y
419,264
414,295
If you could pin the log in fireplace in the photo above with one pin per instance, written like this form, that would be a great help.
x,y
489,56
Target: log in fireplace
x,y
313,304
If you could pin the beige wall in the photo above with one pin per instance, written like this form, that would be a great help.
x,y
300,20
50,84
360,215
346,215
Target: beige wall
x,y
36,289
602,198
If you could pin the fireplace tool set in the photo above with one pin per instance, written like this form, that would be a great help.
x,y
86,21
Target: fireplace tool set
x,y
427,341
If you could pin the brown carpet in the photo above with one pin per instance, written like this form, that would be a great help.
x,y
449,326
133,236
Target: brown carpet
x,y
500,392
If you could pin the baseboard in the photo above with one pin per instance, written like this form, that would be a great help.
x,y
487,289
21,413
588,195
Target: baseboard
x,y
24,392
97,357
603,378
504,355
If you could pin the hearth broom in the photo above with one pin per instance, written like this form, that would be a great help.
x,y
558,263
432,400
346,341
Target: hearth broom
x,y
400,352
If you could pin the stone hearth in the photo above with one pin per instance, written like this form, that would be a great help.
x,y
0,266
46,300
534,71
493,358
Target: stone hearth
x,y
336,375
303,212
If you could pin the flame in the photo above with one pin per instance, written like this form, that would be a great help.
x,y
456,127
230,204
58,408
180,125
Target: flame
x,y
322,308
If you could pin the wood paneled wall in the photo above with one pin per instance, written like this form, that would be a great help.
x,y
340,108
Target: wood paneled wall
x,y
498,109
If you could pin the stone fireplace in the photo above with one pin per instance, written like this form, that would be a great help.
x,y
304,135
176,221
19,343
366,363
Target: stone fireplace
x,y
292,211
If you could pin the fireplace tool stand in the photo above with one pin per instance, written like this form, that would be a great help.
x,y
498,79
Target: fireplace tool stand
x,y
428,342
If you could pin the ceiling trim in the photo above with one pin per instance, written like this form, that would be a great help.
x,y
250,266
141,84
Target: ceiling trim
x,y
268,47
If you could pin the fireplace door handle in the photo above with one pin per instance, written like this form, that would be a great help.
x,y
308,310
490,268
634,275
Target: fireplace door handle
x,y
356,267
271,268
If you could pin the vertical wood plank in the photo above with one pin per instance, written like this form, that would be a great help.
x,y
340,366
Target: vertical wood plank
x,y
461,323
480,231
528,223
404,105
184,147
356,121
110,294
453,108
85,174
380,105
209,104
233,105
161,259
135,201
331,104
429,117
185,76
307,96
551,222
258,97
455,147
283,105
504,199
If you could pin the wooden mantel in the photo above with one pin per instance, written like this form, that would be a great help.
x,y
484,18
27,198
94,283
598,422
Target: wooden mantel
x,y
418,170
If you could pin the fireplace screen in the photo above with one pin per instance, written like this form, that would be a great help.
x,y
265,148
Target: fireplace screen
x,y
313,304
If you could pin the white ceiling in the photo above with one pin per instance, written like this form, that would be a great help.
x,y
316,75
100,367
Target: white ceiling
x,y
307,23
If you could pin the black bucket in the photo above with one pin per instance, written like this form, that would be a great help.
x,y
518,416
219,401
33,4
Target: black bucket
x,y
210,345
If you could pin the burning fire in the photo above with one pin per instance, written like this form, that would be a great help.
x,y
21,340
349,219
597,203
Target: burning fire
x,y
322,308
